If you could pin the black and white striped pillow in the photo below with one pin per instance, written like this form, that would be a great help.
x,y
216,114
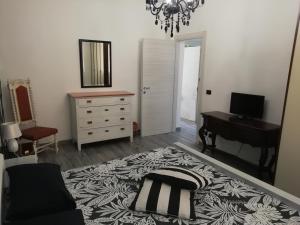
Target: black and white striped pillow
x,y
164,199
179,177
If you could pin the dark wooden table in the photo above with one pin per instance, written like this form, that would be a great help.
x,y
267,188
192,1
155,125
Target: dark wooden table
x,y
25,149
253,132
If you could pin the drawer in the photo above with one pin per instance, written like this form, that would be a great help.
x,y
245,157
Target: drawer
x,y
100,101
104,121
103,111
220,127
105,133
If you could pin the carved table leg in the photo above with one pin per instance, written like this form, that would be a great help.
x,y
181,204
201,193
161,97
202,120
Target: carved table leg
x,y
202,136
263,159
213,142
271,163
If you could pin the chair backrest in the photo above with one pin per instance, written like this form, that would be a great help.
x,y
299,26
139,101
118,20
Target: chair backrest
x,y
21,99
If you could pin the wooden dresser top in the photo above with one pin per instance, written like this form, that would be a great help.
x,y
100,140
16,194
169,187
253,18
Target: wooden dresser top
x,y
99,94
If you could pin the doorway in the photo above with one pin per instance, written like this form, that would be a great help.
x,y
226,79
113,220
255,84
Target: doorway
x,y
188,73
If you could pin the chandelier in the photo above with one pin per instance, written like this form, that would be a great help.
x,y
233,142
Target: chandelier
x,y
170,13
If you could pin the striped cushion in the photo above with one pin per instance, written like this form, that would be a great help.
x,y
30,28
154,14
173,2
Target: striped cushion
x,y
181,178
161,198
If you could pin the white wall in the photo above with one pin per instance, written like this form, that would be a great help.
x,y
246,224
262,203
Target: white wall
x,y
190,82
178,79
248,50
39,40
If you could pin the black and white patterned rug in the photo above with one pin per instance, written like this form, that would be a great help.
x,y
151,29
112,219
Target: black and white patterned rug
x,y
105,191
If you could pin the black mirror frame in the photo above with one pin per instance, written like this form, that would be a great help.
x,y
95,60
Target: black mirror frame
x,y
81,63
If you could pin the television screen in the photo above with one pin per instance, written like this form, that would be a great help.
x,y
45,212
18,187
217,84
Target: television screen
x,y
247,105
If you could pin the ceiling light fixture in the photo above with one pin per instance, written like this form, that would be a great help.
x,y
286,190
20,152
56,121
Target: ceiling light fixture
x,y
173,11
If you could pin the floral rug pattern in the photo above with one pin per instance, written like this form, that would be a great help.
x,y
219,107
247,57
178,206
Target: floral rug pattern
x,y
104,192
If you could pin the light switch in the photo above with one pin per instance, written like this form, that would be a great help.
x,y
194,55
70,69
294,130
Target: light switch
x,y
208,92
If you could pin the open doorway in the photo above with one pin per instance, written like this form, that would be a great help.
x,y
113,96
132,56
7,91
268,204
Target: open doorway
x,y
189,53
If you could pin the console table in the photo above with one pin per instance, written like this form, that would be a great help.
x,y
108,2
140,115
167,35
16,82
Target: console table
x,y
253,132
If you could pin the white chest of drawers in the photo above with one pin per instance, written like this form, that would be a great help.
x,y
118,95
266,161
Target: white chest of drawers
x,y
99,116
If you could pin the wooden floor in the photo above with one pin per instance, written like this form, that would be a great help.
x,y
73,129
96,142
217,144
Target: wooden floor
x,y
68,157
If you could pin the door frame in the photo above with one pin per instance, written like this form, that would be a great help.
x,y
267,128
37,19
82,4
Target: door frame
x,y
199,105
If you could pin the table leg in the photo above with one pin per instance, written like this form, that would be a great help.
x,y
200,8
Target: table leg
x,y
202,136
213,142
271,163
263,159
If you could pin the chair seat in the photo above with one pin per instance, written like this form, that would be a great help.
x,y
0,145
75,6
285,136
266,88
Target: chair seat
x,y
36,133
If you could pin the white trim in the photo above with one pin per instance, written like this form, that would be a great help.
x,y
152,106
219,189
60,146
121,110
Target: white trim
x,y
178,39
241,174
183,37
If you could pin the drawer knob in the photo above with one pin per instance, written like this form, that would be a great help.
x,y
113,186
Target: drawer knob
x,y
89,122
106,110
122,99
90,133
106,120
88,101
122,128
122,118
89,111
106,131
122,109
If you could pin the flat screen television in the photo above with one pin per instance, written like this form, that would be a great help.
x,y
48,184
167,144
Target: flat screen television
x,y
246,105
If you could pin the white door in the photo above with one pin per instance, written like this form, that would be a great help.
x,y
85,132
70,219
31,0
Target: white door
x,y
157,83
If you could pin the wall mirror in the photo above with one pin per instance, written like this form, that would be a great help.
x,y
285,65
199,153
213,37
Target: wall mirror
x,y
95,63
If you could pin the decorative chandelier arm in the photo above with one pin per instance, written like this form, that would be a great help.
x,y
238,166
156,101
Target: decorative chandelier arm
x,y
193,5
184,10
156,10
166,14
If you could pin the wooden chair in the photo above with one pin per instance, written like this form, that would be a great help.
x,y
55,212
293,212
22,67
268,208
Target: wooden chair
x,y
22,104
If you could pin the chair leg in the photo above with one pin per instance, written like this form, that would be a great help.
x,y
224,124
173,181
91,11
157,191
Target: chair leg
x,y
55,143
34,144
